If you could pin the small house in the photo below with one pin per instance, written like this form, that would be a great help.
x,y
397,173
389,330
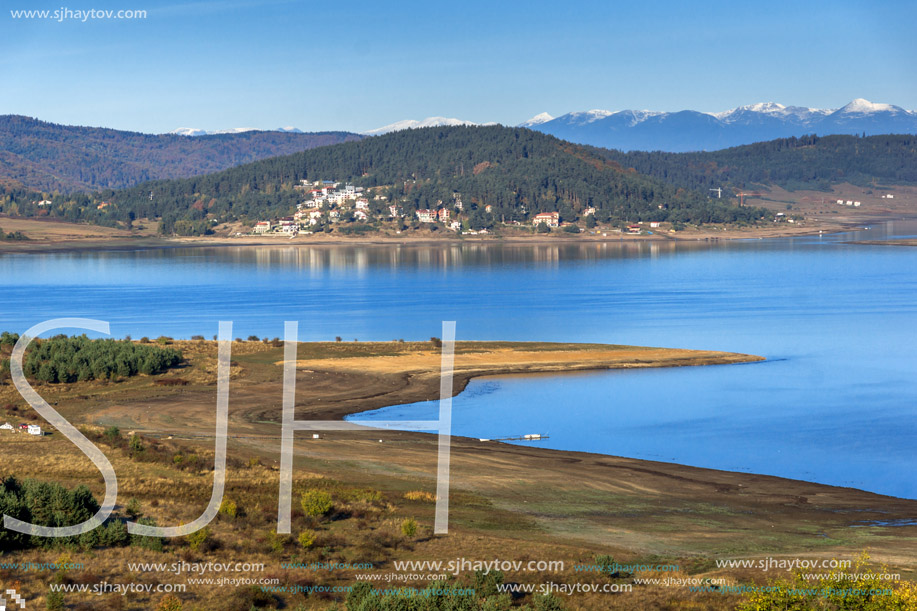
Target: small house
x,y
34,429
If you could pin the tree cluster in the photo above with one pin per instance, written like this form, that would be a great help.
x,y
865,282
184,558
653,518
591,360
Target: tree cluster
x,y
63,359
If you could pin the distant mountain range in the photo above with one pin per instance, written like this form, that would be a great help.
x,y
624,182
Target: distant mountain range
x,y
689,130
193,131
48,157
686,130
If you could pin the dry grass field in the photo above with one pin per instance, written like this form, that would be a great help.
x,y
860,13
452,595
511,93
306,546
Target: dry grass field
x,y
508,502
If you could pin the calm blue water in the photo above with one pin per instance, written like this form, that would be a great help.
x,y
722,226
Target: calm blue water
x,y
835,402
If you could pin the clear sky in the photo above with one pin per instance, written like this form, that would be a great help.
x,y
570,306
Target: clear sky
x,y
355,65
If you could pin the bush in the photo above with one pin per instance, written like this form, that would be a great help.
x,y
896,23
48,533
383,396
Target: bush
x,y
571,229
853,589
132,508
55,601
316,503
114,534
548,602
278,542
228,508
112,435
155,544
409,527
307,538
169,603
136,446
420,495
196,539
437,343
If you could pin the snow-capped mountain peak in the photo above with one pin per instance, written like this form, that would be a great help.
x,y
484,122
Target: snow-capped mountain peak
x,y
865,107
188,131
537,120
589,116
413,124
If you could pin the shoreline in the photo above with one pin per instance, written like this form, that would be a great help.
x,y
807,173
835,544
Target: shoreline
x,y
138,242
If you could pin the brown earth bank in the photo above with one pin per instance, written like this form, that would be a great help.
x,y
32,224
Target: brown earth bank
x,y
507,502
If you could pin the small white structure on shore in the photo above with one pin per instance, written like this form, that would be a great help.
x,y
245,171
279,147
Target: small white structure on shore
x,y
34,429
7,426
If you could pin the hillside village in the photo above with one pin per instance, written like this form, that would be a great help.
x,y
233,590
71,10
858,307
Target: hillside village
x,y
327,202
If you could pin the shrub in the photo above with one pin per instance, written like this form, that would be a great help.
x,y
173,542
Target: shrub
x,y
548,602
420,495
196,539
155,544
132,508
55,601
409,527
136,446
278,542
169,603
307,538
437,343
112,435
228,508
114,534
253,338
316,503
571,228
853,589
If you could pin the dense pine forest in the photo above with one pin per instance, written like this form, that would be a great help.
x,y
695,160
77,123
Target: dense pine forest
x,y
50,157
809,162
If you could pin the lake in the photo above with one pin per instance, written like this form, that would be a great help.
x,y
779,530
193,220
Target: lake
x,y
834,403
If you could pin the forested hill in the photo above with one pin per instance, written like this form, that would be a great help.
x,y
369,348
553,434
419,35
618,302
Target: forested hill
x,y
806,162
517,172
48,157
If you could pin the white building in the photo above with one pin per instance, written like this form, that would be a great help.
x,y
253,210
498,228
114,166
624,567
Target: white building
x,y
426,216
262,227
34,429
551,219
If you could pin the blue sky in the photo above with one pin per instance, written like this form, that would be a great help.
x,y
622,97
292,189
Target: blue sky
x,y
358,65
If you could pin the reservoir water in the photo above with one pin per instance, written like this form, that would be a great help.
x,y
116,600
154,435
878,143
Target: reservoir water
x,y
836,401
